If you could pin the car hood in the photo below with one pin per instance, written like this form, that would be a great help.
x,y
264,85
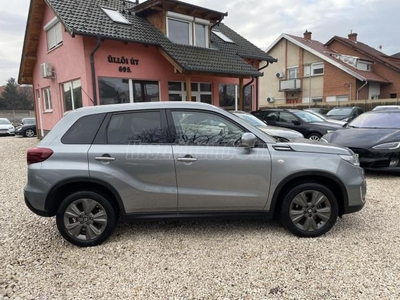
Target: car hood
x,y
363,137
327,125
5,126
310,146
281,132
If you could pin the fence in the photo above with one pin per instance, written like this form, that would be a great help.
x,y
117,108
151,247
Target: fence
x,y
16,115
366,105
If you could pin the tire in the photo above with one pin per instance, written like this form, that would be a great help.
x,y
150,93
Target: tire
x,y
29,133
77,221
314,136
309,210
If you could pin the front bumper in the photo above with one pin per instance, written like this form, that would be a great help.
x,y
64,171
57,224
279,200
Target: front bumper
x,y
7,131
384,160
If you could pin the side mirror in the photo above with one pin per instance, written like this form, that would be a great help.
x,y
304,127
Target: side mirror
x,y
249,140
295,122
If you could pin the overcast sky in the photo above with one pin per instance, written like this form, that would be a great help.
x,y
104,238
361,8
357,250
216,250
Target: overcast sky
x,y
261,22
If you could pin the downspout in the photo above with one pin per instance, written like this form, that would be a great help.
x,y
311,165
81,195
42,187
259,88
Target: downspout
x,y
258,87
243,92
366,82
94,85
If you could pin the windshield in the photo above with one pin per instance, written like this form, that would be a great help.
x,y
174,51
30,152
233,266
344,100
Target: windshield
x,y
4,122
345,111
252,120
377,120
308,117
317,114
28,121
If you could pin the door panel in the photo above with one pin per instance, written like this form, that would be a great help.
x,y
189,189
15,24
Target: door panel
x,y
137,162
213,172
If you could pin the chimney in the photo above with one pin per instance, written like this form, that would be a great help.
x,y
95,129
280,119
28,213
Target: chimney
x,y
307,35
353,37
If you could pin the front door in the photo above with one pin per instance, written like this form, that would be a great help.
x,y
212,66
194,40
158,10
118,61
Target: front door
x,y
213,172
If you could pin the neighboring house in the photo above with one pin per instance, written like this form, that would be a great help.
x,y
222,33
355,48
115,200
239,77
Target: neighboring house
x,y
343,69
2,88
397,55
82,53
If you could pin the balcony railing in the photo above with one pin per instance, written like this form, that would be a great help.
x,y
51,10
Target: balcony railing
x,y
289,85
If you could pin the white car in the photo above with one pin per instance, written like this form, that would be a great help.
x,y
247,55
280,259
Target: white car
x,y
6,128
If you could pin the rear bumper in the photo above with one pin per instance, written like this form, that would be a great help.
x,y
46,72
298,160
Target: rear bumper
x,y
35,210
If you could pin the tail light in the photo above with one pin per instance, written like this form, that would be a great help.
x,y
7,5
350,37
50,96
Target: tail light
x,y
37,155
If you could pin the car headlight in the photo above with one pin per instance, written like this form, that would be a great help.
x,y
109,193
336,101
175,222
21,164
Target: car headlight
x,y
387,146
330,130
352,159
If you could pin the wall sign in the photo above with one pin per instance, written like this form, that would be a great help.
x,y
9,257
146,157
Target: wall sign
x,y
123,61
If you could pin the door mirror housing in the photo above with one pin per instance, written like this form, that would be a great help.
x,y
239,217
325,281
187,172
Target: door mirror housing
x,y
249,140
295,122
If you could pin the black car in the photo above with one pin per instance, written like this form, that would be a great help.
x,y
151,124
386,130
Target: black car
x,y
320,110
346,114
375,137
308,124
27,127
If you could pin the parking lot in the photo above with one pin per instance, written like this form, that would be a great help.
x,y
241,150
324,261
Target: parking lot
x,y
358,259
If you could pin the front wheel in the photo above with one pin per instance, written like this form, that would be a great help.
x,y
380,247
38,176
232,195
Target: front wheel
x,y
29,133
86,219
314,136
309,210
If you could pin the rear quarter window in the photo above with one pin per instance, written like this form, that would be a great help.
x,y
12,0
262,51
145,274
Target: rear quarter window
x,y
83,130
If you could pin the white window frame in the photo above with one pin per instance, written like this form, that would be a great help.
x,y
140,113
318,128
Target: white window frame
x,y
296,72
47,103
368,66
71,84
197,94
53,34
316,66
222,36
191,22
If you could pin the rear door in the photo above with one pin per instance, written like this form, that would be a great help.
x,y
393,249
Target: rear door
x,y
213,172
132,153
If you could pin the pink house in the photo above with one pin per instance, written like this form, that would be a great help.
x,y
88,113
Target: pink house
x,y
98,52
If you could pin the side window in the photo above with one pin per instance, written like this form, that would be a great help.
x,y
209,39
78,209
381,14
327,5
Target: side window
x,y
136,128
286,117
83,131
271,116
205,129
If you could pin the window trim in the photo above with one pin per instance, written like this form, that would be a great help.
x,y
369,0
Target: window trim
x,y
51,28
72,94
119,18
183,93
47,101
293,68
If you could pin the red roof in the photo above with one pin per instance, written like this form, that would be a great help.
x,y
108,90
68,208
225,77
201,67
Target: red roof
x,y
324,50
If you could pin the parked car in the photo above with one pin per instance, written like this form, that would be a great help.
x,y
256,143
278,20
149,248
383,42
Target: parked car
x,y
279,133
346,114
320,110
6,128
308,124
341,123
384,107
135,161
27,127
375,137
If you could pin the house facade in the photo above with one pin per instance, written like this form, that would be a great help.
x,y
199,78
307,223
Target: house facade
x,y
99,52
343,69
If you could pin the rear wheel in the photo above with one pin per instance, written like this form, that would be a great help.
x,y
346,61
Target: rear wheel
x,y
29,133
309,210
314,136
86,218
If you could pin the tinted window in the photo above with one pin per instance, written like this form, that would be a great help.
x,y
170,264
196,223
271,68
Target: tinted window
x,y
136,128
205,129
84,130
308,117
286,117
377,120
340,111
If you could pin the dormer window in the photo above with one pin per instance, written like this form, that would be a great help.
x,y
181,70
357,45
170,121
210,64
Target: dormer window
x,y
187,30
364,65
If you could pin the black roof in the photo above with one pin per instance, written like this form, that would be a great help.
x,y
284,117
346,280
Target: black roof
x,y
87,18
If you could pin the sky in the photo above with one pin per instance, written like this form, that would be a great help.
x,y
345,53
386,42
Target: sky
x,y
261,22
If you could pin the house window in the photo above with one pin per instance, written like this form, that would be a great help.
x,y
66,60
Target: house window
x,y
393,96
54,33
314,69
120,90
48,107
201,92
186,30
115,15
222,36
293,73
72,95
229,97
363,65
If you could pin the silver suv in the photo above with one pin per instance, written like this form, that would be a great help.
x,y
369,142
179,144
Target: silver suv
x,y
186,160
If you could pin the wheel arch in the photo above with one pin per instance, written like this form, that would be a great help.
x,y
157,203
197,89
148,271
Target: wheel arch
x,y
329,180
71,185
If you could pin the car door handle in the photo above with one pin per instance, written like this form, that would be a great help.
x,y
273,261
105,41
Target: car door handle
x,y
105,158
187,159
